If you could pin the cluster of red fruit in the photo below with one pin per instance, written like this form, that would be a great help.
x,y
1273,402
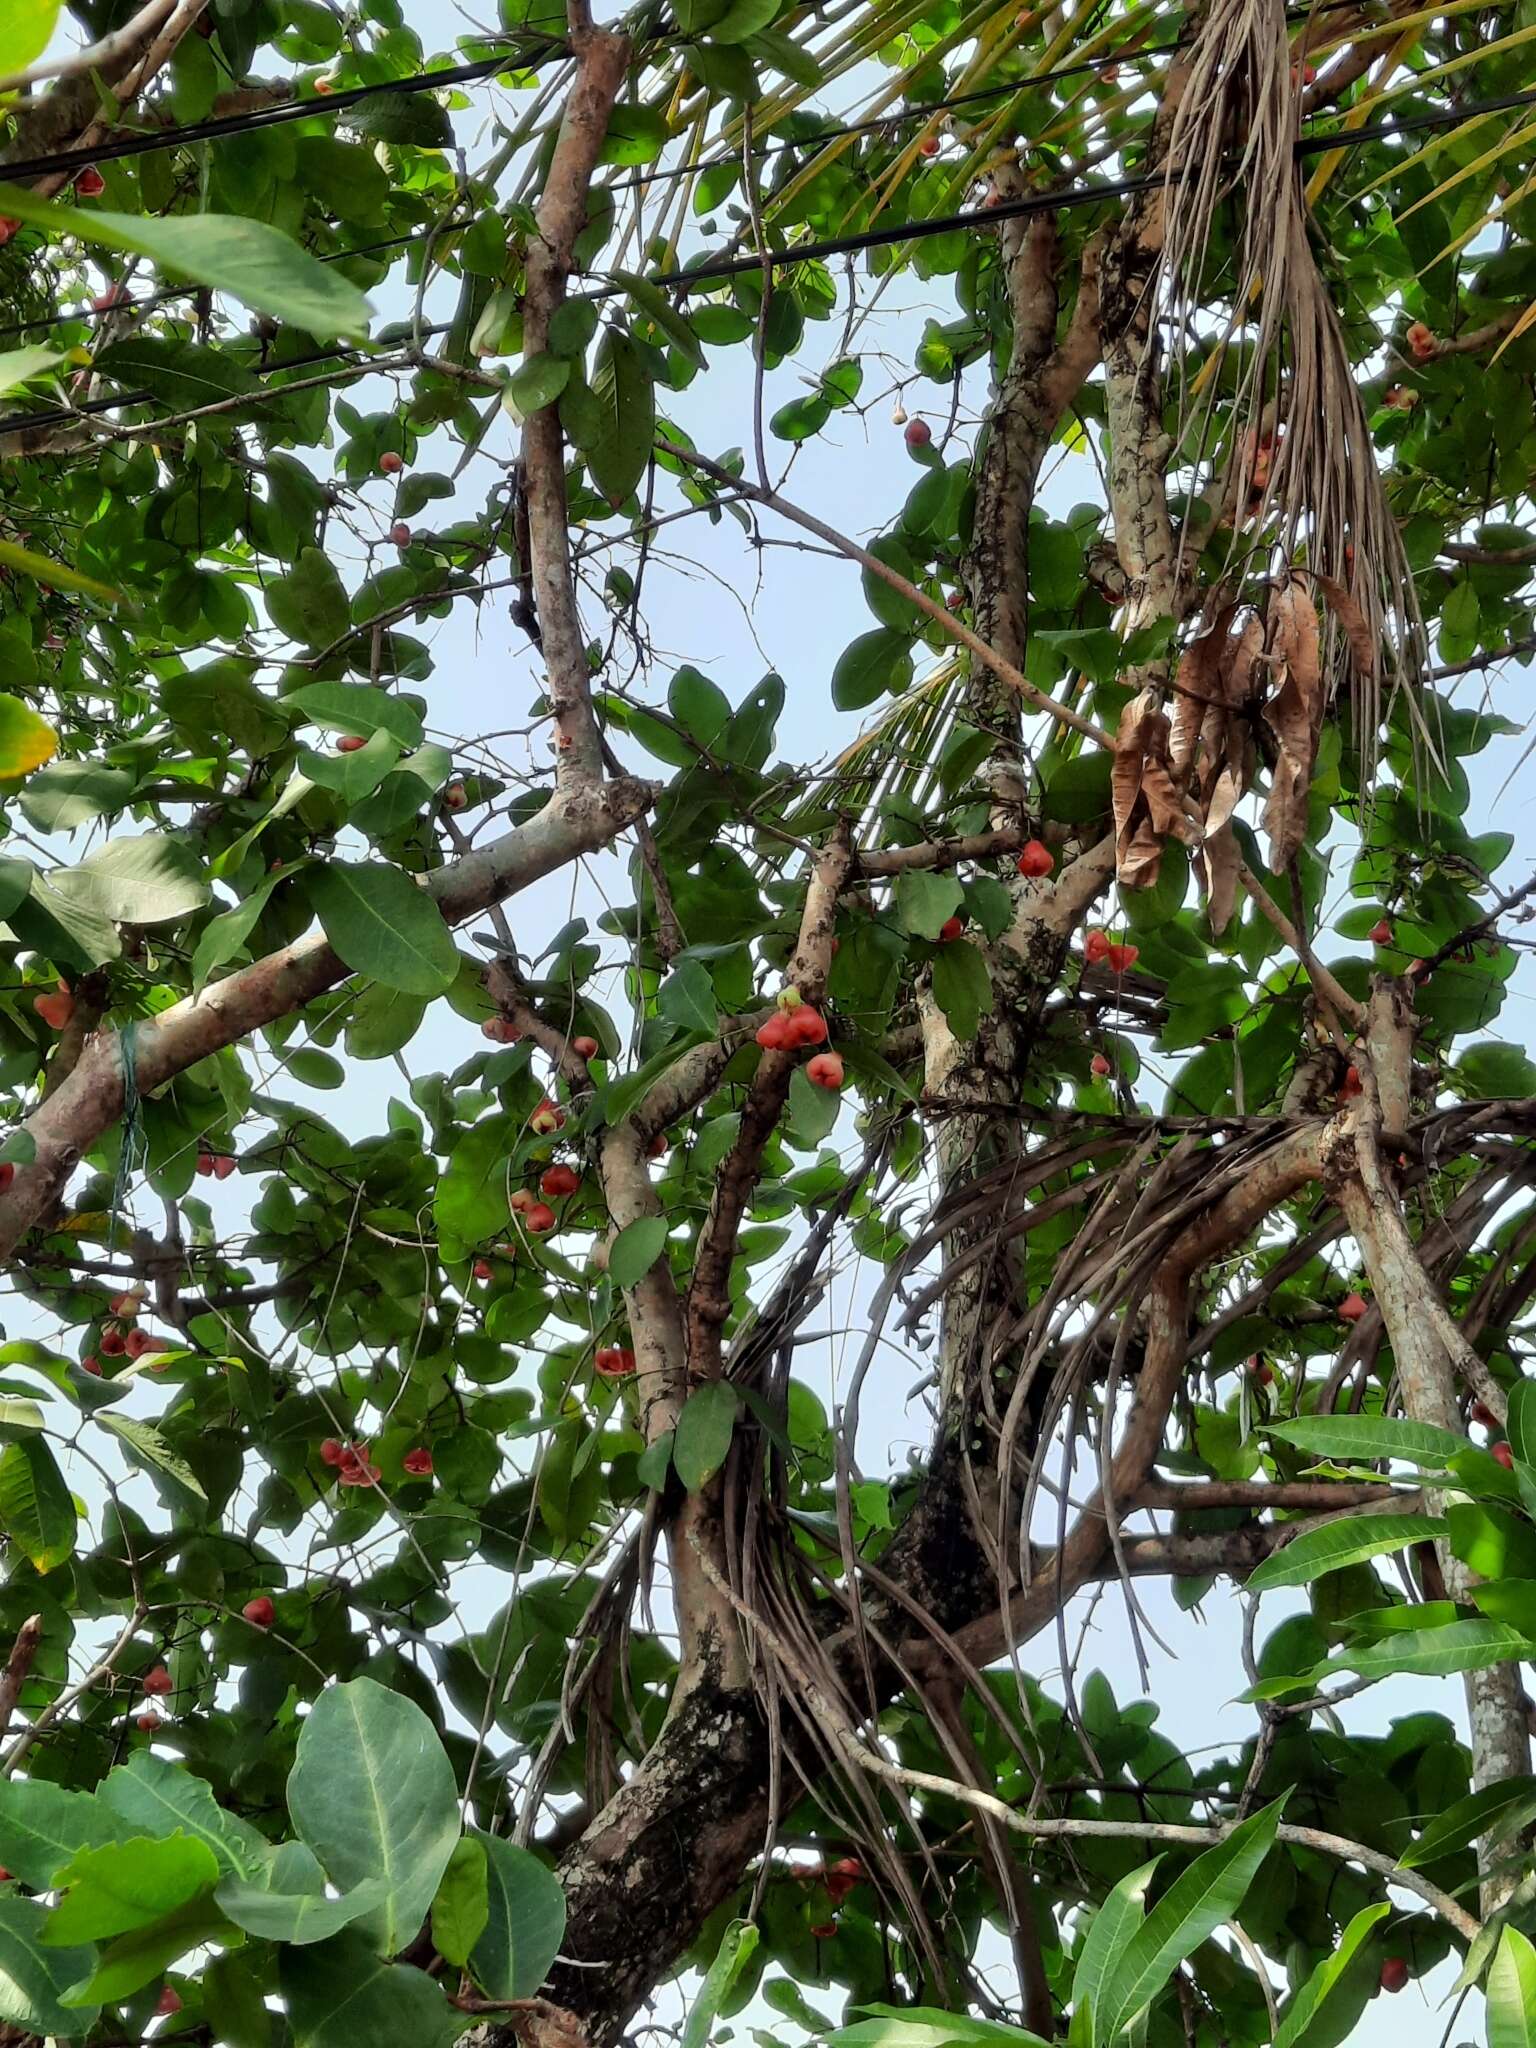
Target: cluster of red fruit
x,y
216,1165
350,1462
797,1023
614,1362
1500,1452
1422,345
1119,957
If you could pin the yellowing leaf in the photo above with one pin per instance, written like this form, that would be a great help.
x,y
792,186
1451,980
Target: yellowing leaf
x,y
26,741
42,570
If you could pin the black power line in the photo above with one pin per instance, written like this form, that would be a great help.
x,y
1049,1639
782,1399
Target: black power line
x,y
539,51
975,218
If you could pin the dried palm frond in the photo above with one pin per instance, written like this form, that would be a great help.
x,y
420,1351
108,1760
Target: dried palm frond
x,y
1306,465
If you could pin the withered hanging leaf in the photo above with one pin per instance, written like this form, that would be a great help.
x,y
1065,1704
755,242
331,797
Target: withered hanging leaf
x,y
1294,715
1144,798
1346,610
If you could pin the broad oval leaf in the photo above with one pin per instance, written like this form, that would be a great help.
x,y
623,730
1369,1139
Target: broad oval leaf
x,y
372,1793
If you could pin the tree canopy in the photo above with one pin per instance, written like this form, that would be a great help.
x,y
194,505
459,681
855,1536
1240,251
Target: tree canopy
x,y
463,1564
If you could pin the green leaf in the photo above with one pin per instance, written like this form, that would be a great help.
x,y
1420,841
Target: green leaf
x,y
1522,1421
34,1979
704,1431
636,1249
536,382
383,1021
1496,1543
384,926
925,902
311,606
1512,1993
688,998
461,1909
26,741
43,569
413,118
1330,1548
962,987
1113,1926
131,1961
1354,1439
286,1899
744,18
42,1825
658,308
151,879
637,134
355,708
72,793
1434,1652
738,1944
1303,2008
921,2026
251,261
128,1884
875,664
339,1994
19,366
224,936
150,1796
372,1793
525,1924
36,1509
1188,1913
617,454
25,32
1509,1799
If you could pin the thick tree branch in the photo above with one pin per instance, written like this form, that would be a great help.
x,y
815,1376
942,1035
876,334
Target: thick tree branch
x,y
65,1127
602,57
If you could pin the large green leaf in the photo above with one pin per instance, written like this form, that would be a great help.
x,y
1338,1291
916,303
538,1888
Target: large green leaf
x,y
246,258
1113,1926
525,1921
384,926
1435,1652
626,406
1192,1908
636,1249
704,1430
36,1509
738,1944
285,1898
1303,2008
128,1884
1351,1437
339,1994
42,1825
34,1978
150,1796
151,879
461,1910
1507,1802
135,1959
1512,1993
71,793
1348,1541
148,1449
372,1793
922,2026
25,32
